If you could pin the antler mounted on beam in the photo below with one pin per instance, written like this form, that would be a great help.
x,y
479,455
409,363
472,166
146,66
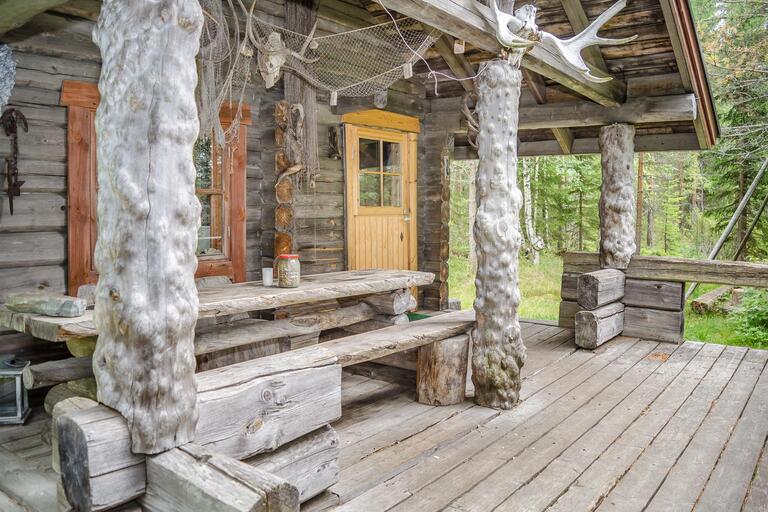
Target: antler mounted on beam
x,y
520,31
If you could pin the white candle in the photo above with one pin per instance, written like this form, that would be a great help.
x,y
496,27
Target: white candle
x,y
266,276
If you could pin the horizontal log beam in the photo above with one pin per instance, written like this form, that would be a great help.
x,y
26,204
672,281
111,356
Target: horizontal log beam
x,y
593,328
196,479
598,288
643,143
311,463
470,20
663,268
661,109
51,373
361,348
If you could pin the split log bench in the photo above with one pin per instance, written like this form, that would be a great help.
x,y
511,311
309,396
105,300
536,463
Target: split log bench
x,y
267,412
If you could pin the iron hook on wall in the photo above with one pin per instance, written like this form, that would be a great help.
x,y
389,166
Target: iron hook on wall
x,y
11,119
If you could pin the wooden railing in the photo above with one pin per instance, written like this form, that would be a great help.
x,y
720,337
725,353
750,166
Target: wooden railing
x,y
662,268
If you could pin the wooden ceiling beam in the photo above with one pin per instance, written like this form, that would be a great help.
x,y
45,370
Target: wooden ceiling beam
x,y
16,13
538,89
470,20
579,21
658,109
564,137
458,64
643,143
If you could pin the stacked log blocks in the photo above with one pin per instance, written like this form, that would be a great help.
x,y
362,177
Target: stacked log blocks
x,y
602,316
245,409
653,309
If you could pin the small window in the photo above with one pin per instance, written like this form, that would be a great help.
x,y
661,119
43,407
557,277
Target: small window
x,y
210,190
220,184
380,178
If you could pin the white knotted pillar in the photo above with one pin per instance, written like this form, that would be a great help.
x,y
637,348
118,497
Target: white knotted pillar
x,y
498,351
617,195
148,215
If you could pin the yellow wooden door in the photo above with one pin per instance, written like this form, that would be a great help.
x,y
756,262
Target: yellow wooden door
x,y
381,198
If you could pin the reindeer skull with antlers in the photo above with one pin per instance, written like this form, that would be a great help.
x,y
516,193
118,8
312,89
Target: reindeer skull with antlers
x,y
520,31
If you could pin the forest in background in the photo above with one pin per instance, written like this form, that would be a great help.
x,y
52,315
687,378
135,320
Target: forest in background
x,y
684,199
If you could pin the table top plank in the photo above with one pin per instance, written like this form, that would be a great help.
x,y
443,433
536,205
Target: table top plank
x,y
236,298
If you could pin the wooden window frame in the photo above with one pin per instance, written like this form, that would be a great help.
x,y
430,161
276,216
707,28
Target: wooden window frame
x,y
81,100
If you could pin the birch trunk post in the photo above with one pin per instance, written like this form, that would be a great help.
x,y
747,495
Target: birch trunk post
x,y
498,353
472,213
146,301
617,201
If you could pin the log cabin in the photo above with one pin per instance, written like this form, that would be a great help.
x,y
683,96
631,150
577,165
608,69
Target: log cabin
x,y
328,395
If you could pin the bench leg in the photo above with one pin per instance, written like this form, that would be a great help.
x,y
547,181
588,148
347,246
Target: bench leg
x,y
441,371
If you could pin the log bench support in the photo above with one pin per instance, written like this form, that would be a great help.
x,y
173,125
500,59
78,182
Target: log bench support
x,y
272,411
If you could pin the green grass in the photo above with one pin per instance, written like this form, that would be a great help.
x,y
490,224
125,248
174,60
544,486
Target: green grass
x,y
539,286
540,291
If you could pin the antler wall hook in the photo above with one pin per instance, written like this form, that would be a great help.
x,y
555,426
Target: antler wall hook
x,y
520,31
10,121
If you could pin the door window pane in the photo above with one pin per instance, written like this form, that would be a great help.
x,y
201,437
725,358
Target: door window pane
x,y
370,189
392,190
391,152
369,155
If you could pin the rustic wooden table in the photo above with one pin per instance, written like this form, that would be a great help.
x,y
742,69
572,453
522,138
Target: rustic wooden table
x,y
236,298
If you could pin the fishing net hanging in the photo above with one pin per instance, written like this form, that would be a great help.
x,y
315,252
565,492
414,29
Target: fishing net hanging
x,y
360,62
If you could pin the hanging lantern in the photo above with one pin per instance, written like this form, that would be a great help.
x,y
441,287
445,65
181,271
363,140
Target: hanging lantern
x,y
14,404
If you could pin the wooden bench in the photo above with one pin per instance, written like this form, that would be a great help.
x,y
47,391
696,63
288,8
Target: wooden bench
x,y
258,410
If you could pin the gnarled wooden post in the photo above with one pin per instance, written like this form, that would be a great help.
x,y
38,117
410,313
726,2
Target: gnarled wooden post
x,y
146,302
498,351
617,199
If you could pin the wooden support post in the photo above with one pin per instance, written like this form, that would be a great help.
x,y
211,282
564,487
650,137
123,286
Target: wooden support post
x,y
617,203
498,352
194,479
441,371
593,328
146,301
599,288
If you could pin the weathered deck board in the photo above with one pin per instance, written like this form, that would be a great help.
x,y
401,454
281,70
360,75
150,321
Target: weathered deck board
x,y
633,419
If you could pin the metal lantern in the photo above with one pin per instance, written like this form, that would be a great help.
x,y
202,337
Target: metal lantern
x,y
14,404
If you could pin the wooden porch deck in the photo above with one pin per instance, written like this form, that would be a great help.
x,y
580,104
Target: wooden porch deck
x,y
634,425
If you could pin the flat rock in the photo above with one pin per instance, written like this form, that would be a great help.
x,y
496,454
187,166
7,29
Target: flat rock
x,y
44,303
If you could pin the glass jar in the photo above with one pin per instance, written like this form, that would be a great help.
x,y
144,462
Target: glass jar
x,y
288,271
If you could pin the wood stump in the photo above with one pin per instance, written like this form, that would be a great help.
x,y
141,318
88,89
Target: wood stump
x,y
146,301
498,352
617,196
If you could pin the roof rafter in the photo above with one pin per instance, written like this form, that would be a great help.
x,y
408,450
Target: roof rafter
x,y
469,20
